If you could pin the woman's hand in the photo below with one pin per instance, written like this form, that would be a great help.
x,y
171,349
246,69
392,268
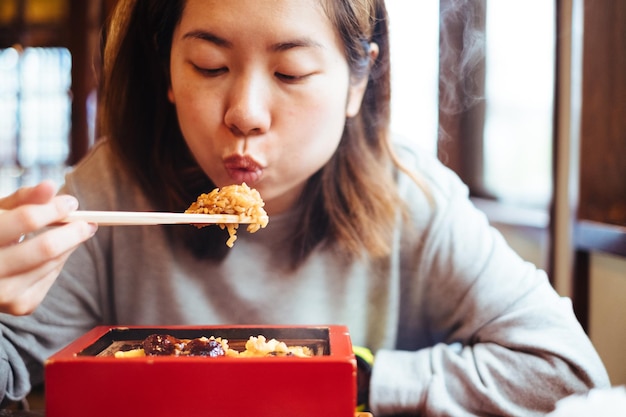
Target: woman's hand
x,y
29,266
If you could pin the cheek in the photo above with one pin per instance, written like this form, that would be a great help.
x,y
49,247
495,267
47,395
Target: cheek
x,y
328,117
320,129
194,110
194,123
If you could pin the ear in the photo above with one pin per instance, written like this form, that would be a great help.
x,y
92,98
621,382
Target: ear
x,y
356,91
170,94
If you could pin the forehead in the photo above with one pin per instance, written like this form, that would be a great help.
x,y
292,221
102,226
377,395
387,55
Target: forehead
x,y
259,21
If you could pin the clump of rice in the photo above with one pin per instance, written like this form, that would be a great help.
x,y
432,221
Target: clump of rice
x,y
236,199
260,346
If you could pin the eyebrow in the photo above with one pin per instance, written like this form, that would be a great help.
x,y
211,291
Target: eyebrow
x,y
296,43
277,47
207,36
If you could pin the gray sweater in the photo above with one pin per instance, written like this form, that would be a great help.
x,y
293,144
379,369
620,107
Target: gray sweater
x,y
459,323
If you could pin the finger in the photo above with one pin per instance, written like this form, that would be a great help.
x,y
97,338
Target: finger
x,y
36,251
38,194
32,217
21,294
41,193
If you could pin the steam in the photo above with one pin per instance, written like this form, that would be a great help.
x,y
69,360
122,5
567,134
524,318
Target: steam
x,y
462,54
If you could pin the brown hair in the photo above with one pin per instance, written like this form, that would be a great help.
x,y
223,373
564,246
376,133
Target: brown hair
x,y
351,202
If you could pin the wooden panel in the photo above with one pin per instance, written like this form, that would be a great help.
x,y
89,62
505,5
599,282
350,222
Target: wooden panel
x,y
603,129
87,19
601,206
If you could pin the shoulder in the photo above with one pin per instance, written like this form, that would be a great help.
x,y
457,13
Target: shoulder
x,y
435,185
101,181
100,158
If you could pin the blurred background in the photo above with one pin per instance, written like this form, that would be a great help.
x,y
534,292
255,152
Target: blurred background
x,y
524,99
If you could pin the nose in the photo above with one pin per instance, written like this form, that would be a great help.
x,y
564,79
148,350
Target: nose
x,y
247,112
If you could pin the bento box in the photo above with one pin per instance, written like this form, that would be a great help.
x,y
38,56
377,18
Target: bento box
x,y
87,379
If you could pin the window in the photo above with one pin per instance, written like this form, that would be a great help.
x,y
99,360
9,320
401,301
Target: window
x,y
36,107
35,101
519,93
414,39
502,141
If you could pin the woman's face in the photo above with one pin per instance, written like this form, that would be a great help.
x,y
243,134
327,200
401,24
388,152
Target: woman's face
x,y
262,91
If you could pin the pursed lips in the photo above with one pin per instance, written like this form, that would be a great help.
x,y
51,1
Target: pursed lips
x,y
243,168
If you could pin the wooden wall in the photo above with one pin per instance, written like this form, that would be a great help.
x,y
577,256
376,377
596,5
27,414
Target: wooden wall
x,y
602,196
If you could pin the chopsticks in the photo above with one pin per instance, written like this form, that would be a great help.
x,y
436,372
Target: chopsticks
x,y
139,218
147,218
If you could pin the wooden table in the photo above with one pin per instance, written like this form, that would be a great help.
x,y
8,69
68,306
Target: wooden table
x,y
21,413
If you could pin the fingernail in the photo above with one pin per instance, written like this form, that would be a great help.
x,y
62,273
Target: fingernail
x,y
93,227
70,202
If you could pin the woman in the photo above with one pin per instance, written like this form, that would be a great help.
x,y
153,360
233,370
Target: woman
x,y
293,99
28,269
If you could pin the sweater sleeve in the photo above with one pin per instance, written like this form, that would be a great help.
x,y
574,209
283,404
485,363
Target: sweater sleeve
x,y
69,310
501,340
72,307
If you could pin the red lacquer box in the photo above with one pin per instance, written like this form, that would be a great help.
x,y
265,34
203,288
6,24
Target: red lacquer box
x,y
85,379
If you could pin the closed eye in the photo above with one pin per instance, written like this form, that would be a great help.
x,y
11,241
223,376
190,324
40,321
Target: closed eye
x,y
292,79
211,72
